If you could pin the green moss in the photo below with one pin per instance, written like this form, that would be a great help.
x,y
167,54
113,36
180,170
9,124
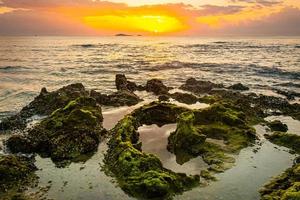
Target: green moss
x,y
207,175
140,174
158,113
283,187
291,141
67,133
186,141
15,173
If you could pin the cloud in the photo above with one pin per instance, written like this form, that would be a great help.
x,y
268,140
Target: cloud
x,y
259,2
94,17
213,9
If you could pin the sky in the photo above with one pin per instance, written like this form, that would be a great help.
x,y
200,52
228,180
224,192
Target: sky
x,y
150,17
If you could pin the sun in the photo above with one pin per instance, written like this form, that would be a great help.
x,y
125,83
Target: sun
x,y
157,24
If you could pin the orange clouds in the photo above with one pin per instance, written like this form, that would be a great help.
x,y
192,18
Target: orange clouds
x,y
246,15
104,17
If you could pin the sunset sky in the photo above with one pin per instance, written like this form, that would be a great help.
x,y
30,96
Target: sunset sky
x,y
150,17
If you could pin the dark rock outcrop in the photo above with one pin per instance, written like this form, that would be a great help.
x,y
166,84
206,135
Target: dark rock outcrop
x,y
157,87
123,84
238,86
184,98
67,133
277,126
199,87
119,98
44,104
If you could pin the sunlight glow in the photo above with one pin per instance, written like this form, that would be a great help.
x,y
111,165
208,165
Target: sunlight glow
x,y
136,23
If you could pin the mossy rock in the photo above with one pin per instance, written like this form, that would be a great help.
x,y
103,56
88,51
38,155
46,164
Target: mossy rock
x,y
44,104
15,173
67,133
140,174
184,98
283,187
119,98
186,141
158,113
277,125
287,140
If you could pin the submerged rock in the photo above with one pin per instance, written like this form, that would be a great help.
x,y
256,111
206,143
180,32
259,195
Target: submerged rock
x,y
238,86
67,133
277,126
140,174
288,140
44,104
15,173
186,140
157,87
284,187
119,98
199,87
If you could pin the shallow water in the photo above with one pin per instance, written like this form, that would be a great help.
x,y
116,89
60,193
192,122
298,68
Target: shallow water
x,y
251,171
155,139
85,180
293,125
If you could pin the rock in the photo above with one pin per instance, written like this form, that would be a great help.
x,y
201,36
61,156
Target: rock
x,y
186,140
158,113
157,87
140,174
163,98
184,98
290,95
207,175
199,87
119,98
15,172
238,86
287,140
285,186
123,84
67,133
44,104
277,126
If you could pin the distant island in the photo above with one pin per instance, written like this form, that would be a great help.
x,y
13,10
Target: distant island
x,y
122,34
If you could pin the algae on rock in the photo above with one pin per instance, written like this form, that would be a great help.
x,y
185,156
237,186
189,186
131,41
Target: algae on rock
x,y
287,140
67,133
140,174
283,187
186,141
15,173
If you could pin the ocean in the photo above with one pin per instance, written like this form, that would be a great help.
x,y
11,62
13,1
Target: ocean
x,y
29,63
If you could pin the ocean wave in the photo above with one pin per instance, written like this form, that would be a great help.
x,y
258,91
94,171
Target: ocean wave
x,y
277,72
288,84
10,69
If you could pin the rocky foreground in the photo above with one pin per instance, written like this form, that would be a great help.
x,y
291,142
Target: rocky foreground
x,y
71,130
